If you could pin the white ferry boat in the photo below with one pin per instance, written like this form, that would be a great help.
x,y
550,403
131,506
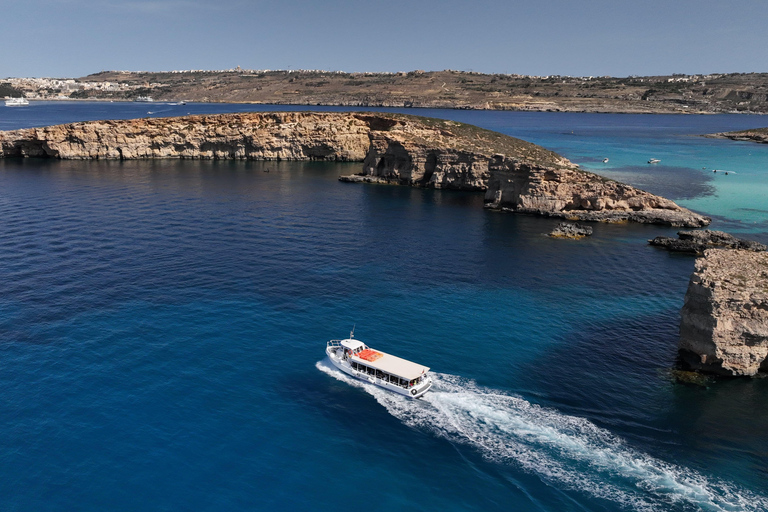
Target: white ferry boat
x,y
355,358
16,102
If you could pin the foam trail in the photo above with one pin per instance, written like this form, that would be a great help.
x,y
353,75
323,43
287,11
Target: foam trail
x,y
565,449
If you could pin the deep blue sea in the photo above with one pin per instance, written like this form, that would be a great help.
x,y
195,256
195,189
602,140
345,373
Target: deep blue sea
x,y
163,325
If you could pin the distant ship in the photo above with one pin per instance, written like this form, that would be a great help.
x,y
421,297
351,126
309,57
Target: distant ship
x,y
144,99
16,102
654,161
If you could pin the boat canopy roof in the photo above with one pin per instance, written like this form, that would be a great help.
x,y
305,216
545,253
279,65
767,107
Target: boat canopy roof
x,y
352,344
394,365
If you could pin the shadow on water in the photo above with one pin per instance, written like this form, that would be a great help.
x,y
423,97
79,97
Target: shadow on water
x,y
723,426
718,429
671,182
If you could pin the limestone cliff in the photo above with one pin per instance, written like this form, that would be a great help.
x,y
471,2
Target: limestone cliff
x,y
395,148
724,322
515,175
263,136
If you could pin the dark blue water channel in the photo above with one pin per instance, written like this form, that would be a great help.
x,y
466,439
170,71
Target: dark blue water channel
x,y
162,327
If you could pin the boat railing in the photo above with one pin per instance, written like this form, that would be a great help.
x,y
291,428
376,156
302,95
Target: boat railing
x,y
334,343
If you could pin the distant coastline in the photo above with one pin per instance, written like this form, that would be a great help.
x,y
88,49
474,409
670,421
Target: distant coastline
x,y
674,94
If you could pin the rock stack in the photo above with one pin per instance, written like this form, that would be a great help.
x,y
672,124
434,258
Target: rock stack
x,y
724,322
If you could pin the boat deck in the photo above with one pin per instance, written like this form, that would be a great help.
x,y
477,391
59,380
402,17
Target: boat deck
x,y
390,364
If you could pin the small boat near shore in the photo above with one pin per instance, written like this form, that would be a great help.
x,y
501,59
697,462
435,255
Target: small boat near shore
x,y
654,161
16,102
392,373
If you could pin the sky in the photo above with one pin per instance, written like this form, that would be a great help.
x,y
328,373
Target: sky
x,y
73,38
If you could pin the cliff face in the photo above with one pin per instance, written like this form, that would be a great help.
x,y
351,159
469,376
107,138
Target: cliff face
x,y
515,175
724,322
267,136
394,148
577,195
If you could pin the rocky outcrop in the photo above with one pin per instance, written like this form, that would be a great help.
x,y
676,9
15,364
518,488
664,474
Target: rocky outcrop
x,y
394,148
724,322
568,230
755,135
515,175
696,242
577,195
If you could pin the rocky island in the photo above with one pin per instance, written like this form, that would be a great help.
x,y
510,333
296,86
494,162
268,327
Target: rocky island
x,y
754,135
724,322
394,148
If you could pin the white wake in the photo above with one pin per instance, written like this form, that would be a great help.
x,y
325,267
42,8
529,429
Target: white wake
x,y
559,448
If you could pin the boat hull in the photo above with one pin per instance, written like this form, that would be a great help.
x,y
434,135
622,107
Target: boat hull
x,y
343,365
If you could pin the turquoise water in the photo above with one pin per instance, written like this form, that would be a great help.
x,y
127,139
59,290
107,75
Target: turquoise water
x,y
163,327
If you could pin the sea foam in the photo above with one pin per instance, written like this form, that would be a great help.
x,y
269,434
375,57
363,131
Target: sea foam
x,y
566,450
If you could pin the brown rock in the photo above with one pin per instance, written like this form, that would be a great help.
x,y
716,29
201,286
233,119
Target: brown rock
x,y
724,322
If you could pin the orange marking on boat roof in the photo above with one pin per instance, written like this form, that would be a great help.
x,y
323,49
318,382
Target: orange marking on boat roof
x,y
369,355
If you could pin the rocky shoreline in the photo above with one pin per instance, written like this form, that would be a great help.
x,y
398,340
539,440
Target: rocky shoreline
x,y
394,148
759,135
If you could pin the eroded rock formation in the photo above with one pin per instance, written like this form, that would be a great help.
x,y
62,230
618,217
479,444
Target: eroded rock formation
x,y
724,322
394,148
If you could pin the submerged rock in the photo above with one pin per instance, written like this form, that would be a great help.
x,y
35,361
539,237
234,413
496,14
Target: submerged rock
x,y
690,378
568,230
697,242
724,322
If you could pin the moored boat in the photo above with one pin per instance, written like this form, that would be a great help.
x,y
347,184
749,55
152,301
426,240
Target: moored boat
x,y
16,102
395,374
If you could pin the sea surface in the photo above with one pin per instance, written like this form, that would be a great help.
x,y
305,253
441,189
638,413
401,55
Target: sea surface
x,y
163,325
